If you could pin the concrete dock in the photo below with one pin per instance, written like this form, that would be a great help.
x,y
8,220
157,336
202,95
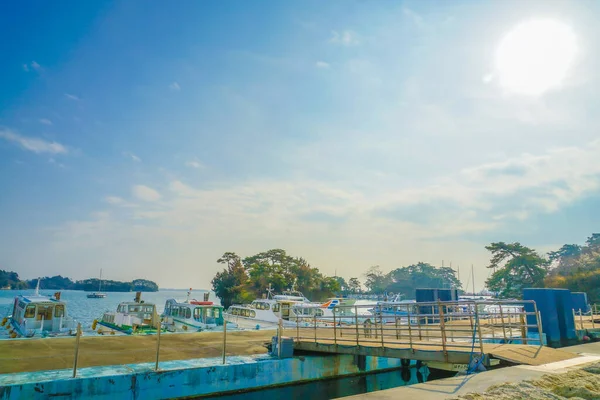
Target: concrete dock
x,y
478,383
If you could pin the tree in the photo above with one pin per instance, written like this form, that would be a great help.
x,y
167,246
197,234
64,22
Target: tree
x,y
406,280
377,281
516,267
229,284
354,285
342,283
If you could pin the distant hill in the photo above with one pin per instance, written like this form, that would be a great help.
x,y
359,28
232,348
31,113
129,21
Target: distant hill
x,y
10,280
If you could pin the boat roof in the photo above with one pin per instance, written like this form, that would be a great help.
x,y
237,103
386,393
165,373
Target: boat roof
x,y
39,299
133,303
186,303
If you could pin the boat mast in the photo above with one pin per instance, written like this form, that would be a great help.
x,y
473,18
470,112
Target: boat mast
x,y
100,286
37,288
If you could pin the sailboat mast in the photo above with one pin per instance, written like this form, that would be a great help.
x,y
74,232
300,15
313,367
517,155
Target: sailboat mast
x,y
473,275
100,287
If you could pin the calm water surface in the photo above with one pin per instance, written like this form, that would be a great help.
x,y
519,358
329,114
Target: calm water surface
x,y
85,310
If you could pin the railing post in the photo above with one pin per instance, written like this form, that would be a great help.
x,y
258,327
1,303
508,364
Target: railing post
x,y
334,328
76,350
158,344
503,326
409,329
592,315
315,327
539,324
523,320
396,320
419,322
224,341
443,329
581,318
478,329
297,329
356,320
381,322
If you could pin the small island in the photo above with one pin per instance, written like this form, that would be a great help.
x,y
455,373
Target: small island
x,y
11,280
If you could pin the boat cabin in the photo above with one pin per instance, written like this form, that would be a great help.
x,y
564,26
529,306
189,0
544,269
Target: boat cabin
x,y
204,312
33,314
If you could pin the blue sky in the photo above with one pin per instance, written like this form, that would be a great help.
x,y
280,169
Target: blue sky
x,y
147,139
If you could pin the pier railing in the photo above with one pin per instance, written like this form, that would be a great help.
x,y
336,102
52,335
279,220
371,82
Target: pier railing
x,y
437,326
589,319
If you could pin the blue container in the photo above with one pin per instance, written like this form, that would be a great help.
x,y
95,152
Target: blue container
x,y
580,302
448,294
566,321
426,296
287,347
545,299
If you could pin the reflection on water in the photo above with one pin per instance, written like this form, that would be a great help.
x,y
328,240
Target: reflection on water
x,y
334,388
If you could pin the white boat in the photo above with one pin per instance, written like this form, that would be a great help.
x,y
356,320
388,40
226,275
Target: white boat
x,y
131,318
396,309
292,307
345,313
39,316
192,315
98,294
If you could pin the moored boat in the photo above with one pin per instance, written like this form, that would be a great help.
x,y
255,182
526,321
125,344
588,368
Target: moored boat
x,y
292,307
39,316
131,318
98,294
192,315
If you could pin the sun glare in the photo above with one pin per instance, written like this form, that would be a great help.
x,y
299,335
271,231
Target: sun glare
x,y
535,56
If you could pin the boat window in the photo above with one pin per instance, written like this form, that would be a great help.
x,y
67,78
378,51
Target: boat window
x,y
253,305
44,312
134,309
319,312
149,309
167,310
59,310
30,311
197,314
252,314
235,311
276,307
188,313
175,311
22,305
209,312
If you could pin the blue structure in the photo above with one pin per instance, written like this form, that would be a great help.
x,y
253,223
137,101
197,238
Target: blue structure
x,y
186,378
430,295
556,309
580,302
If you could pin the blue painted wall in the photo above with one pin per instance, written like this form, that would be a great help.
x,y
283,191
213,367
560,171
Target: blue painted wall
x,y
182,378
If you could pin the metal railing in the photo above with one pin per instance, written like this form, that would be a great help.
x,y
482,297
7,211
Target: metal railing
x,y
456,326
587,320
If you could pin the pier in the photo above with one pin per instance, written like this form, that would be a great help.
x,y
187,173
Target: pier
x,y
446,332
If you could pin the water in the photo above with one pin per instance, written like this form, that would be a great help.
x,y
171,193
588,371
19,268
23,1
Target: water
x,y
85,310
334,388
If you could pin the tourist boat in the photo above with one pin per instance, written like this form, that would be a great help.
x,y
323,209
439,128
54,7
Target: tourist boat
x,y
39,316
98,294
131,318
344,311
395,310
192,315
291,306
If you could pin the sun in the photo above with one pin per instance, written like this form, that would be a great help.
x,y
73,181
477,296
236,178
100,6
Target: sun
x,y
536,56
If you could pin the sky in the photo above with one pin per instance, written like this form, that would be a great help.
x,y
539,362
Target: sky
x,y
146,139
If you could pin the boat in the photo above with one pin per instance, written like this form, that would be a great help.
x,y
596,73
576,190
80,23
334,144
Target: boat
x,y
344,311
291,306
394,310
39,316
131,318
192,315
98,294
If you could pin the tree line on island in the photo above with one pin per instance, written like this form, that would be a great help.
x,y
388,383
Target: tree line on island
x,y
513,268
11,280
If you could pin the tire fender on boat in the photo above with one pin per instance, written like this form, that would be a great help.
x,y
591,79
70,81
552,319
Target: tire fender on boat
x,y
4,320
184,327
94,324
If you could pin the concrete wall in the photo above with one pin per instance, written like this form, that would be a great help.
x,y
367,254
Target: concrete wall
x,y
183,378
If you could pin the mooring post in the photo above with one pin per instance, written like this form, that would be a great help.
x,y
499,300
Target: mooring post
x,y
158,344
224,341
297,329
381,325
523,328
409,330
279,336
396,321
76,349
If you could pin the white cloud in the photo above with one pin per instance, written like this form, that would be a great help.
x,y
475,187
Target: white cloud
x,y
36,66
174,86
145,193
194,164
25,68
45,121
322,64
33,144
132,156
344,38
72,97
114,200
